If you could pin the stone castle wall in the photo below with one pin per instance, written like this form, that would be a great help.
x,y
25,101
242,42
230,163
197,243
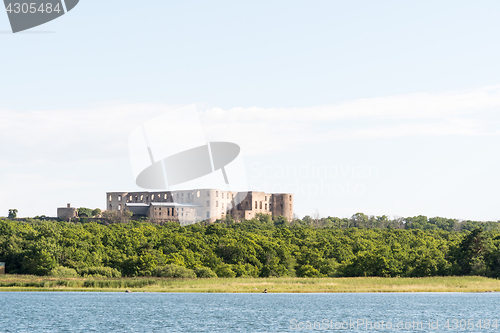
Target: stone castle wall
x,y
67,213
190,206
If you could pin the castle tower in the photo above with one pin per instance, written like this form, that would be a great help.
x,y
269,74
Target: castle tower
x,y
282,204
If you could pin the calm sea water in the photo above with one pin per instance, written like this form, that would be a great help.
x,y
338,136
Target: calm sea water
x,y
163,312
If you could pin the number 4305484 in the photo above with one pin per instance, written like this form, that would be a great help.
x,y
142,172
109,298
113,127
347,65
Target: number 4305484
x,y
32,8
471,324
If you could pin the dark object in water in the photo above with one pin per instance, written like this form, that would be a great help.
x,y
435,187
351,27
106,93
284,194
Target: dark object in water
x,y
265,291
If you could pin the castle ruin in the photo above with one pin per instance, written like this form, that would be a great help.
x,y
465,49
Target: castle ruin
x,y
191,206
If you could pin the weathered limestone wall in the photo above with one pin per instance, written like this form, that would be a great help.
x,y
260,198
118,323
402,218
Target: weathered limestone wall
x,y
67,213
208,204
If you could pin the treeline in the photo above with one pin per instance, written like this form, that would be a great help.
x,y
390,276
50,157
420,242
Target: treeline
x,y
257,248
421,222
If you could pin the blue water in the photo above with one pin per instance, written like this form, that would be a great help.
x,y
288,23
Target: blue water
x,y
163,312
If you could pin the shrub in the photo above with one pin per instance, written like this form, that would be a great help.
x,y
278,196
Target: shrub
x,y
96,212
308,271
99,272
64,272
330,268
175,271
225,271
204,272
116,217
245,270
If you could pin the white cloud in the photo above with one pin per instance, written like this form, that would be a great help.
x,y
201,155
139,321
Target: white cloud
x,y
63,151
267,130
101,132
405,106
444,127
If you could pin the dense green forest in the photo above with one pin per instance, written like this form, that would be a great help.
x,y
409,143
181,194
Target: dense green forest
x,y
421,222
360,246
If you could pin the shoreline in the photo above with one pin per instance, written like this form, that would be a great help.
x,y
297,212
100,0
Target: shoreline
x,y
23,283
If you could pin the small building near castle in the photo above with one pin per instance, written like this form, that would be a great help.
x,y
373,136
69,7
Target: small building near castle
x,y
67,213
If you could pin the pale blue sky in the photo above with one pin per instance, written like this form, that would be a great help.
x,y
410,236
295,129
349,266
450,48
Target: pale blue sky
x,y
410,89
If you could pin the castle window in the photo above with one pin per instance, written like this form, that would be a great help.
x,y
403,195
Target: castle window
x,y
142,197
198,194
119,207
255,204
216,194
265,198
168,212
281,206
119,198
153,197
222,195
130,198
136,198
110,207
208,215
261,205
182,195
290,198
217,204
160,213
265,206
165,196
110,198
147,197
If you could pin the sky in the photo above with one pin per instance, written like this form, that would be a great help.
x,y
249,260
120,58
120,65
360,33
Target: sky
x,y
384,107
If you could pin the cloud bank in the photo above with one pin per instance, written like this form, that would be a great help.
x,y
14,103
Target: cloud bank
x,y
85,150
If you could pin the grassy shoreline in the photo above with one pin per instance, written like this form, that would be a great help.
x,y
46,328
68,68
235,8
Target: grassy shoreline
x,y
251,285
